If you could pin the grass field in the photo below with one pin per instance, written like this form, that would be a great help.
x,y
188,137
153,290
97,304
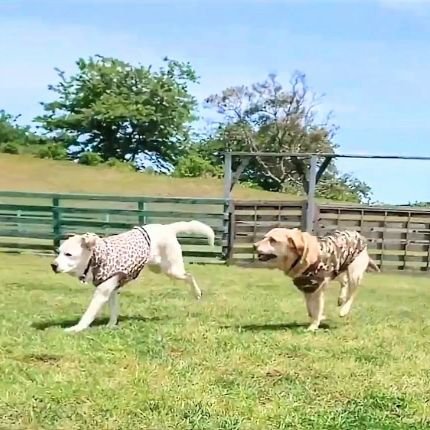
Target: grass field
x,y
240,359
26,173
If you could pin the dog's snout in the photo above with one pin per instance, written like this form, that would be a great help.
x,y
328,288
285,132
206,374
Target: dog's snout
x,y
54,267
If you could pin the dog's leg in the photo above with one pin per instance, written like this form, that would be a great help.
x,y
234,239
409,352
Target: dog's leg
x,y
343,293
190,280
352,291
354,275
309,308
100,298
172,264
315,305
323,317
114,309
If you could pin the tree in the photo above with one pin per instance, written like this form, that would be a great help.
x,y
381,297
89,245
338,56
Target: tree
x,y
268,118
13,133
121,111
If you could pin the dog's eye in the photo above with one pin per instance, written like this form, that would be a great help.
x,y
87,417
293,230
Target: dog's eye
x,y
272,241
67,254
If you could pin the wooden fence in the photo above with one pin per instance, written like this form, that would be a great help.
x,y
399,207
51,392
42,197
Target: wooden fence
x,y
250,220
399,237
37,222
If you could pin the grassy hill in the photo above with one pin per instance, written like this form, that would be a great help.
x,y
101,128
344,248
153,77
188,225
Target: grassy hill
x,y
26,173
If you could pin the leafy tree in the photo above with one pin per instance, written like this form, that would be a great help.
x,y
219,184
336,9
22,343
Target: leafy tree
x,y
265,117
121,111
194,165
13,133
346,188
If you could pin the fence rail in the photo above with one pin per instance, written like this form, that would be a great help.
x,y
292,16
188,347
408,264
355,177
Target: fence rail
x,y
399,237
37,222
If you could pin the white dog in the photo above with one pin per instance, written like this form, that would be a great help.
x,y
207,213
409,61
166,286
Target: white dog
x,y
111,262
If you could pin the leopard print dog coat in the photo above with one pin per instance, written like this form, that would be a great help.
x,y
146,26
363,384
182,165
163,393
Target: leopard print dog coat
x,y
337,251
123,254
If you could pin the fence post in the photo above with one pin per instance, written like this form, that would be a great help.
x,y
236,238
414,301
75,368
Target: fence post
x,y
226,227
227,206
142,207
227,175
312,180
19,214
229,233
56,221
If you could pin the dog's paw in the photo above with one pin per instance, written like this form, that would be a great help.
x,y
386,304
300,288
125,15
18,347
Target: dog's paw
x,y
341,301
112,326
312,328
198,294
73,329
344,310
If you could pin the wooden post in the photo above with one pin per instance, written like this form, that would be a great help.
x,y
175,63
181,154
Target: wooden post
x,y
227,215
228,175
56,221
142,207
312,181
231,237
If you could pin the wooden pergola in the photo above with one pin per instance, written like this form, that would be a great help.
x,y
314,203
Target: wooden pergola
x,y
311,177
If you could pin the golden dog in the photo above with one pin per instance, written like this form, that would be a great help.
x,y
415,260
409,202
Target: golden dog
x,y
312,262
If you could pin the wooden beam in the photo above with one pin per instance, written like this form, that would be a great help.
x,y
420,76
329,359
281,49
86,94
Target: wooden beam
x,y
323,168
299,167
330,155
312,178
237,174
227,175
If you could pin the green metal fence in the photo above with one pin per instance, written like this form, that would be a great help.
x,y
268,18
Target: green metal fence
x,y
37,222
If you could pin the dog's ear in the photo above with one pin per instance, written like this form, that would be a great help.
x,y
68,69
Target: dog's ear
x,y
296,239
305,244
89,240
68,235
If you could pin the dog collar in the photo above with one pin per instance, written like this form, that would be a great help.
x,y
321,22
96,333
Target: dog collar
x,y
295,263
83,277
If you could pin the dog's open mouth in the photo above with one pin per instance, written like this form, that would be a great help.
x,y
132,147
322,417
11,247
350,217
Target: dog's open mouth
x,y
266,257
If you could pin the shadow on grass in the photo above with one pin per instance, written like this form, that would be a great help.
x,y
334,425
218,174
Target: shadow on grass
x,y
275,327
64,323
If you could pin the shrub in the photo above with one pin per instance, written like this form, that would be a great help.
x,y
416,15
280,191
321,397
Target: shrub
x,y
194,165
53,151
10,148
90,158
122,165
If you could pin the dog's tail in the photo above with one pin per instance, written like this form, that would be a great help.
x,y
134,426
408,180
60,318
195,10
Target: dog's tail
x,y
372,266
194,227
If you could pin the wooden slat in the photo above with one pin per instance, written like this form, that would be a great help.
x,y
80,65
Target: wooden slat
x,y
240,204
275,218
26,208
14,245
27,234
23,220
103,197
147,213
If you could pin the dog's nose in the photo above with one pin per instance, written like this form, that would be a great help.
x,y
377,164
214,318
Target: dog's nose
x,y
54,267
254,245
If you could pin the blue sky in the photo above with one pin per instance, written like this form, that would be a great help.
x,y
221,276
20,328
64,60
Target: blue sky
x,y
370,57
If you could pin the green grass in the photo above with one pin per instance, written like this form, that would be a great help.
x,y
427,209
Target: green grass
x,y
26,173
239,359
